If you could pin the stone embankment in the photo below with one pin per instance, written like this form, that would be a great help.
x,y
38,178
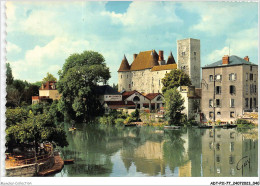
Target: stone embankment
x,y
51,165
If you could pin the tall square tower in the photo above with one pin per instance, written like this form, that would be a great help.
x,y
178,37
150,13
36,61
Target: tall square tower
x,y
188,59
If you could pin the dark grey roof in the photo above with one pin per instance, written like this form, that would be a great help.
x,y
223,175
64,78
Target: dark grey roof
x,y
106,90
233,60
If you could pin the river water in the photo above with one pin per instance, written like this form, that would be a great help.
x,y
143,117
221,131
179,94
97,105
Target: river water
x,y
146,151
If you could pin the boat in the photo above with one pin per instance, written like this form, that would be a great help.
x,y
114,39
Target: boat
x,y
228,126
130,125
219,126
69,161
205,127
72,129
171,127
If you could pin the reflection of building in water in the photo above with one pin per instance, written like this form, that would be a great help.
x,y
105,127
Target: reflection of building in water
x,y
223,149
148,158
185,170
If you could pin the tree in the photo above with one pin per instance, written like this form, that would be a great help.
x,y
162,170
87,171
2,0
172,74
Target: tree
x,y
49,77
174,106
115,86
9,75
33,129
78,79
175,78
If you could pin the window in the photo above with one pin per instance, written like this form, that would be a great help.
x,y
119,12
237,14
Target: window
x,y
166,72
183,53
255,89
251,68
246,102
254,102
251,77
232,77
211,103
159,82
211,114
232,89
255,77
218,146
136,98
246,89
218,89
183,67
218,113
232,103
232,145
251,89
219,135
211,134
246,76
218,77
232,135
121,76
218,103
232,114
132,84
211,78
194,53
231,159
217,158
127,76
232,171
129,86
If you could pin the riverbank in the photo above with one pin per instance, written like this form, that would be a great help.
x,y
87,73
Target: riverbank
x,y
50,165
57,167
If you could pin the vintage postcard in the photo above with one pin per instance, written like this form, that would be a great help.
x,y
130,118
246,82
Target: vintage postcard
x,y
129,92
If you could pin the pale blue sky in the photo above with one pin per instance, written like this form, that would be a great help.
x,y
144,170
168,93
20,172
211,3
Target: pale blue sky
x,y
42,35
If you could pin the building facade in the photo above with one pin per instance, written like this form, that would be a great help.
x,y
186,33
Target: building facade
x,y
149,68
47,93
229,88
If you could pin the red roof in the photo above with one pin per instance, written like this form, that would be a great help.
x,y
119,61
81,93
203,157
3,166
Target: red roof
x,y
151,96
127,94
124,65
49,85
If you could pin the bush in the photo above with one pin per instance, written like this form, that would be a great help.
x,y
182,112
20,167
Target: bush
x,y
243,121
218,122
119,122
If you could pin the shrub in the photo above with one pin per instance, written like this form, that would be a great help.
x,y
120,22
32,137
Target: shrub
x,y
218,122
119,122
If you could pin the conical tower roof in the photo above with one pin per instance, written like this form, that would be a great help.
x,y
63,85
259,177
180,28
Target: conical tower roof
x,y
124,65
171,59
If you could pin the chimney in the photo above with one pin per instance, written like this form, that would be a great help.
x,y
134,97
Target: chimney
x,y
246,58
161,55
135,55
225,60
161,61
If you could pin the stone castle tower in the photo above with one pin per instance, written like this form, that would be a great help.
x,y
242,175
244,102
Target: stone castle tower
x,y
148,68
188,59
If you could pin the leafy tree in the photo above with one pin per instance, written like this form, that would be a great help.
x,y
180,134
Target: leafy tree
x,y
35,129
135,115
9,75
115,86
78,79
14,116
175,78
49,77
174,106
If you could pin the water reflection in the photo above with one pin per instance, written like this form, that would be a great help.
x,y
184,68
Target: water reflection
x,y
145,151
